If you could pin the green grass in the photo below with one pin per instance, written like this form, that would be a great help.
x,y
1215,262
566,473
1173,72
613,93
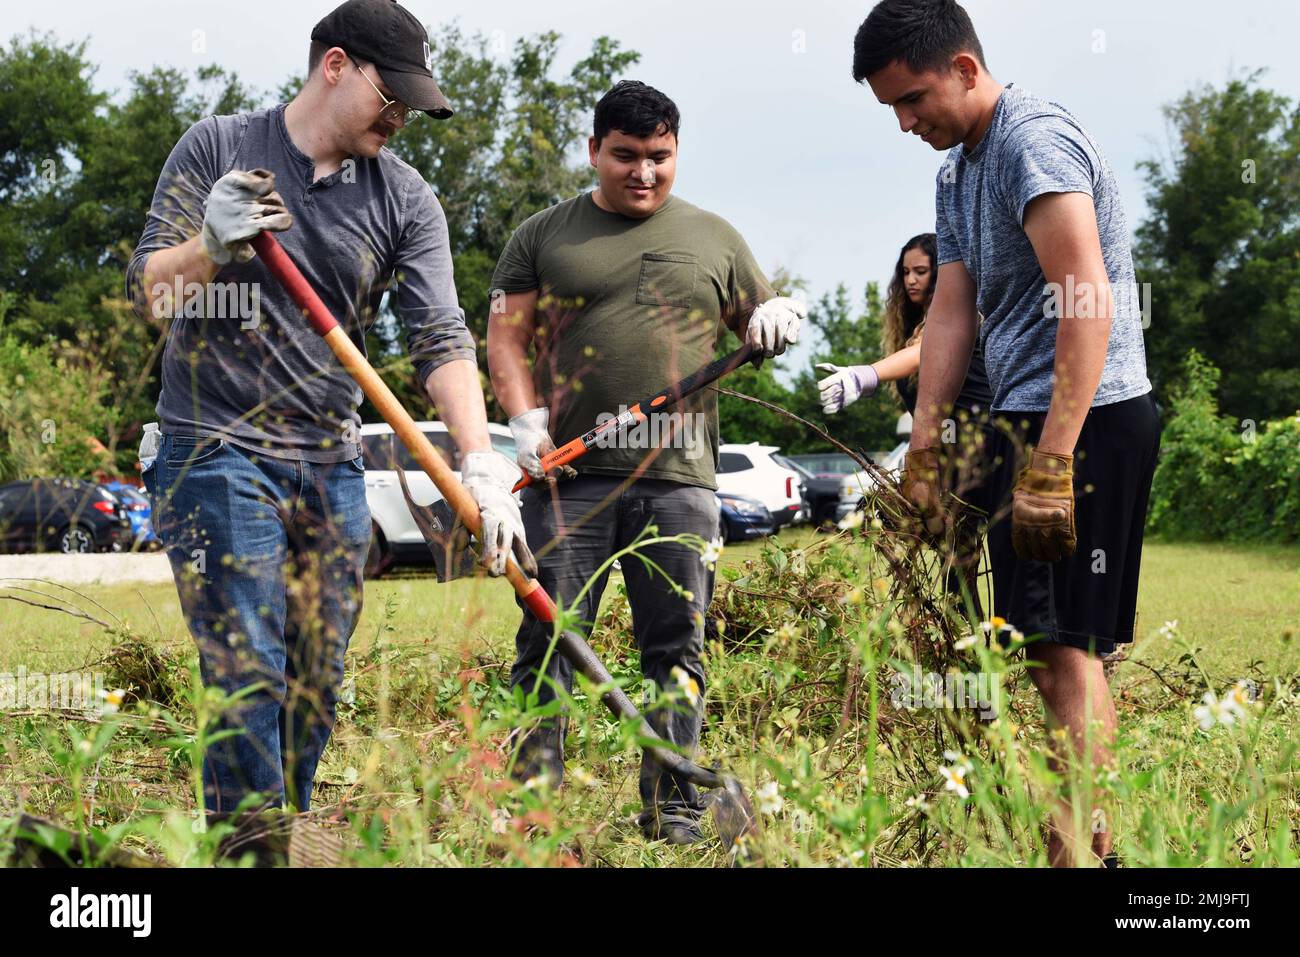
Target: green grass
x,y
1237,603
416,760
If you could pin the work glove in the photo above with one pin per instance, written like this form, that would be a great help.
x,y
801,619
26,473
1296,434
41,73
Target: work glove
x,y
919,484
845,385
242,204
1042,508
775,325
489,477
533,441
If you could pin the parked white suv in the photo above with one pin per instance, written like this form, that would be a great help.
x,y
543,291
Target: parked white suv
x,y
396,539
752,471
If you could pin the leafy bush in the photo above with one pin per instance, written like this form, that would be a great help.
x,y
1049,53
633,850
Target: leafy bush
x,y
51,413
1221,479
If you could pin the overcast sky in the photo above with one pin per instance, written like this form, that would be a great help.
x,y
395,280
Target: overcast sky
x,y
775,135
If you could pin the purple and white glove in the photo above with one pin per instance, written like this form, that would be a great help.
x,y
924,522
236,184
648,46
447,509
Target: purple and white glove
x,y
845,385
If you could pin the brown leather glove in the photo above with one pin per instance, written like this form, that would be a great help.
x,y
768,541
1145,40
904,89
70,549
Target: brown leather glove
x,y
920,486
1042,508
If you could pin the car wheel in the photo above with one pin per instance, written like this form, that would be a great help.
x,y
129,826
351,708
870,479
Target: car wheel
x,y
378,558
76,540
722,529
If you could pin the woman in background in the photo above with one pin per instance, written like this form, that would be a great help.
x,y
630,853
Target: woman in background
x,y
910,293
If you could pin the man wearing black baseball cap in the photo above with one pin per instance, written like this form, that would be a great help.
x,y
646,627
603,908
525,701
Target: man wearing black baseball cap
x,y
391,38
257,481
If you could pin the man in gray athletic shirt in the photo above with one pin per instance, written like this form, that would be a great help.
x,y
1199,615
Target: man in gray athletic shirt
x,y
258,480
1032,234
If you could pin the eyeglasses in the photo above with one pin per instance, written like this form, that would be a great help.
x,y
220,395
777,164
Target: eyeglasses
x,y
393,111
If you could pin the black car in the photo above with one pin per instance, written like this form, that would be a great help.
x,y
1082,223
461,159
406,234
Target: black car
x,y
821,490
62,515
743,518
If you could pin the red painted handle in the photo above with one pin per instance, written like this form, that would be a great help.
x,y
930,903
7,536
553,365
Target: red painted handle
x,y
282,267
287,274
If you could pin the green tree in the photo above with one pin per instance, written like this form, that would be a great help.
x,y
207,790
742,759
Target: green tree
x,y
1221,245
52,412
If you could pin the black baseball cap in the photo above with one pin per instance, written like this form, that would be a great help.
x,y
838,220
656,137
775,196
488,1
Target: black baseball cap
x,y
390,37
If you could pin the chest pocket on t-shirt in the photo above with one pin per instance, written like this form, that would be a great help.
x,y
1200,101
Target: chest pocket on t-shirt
x,y
666,280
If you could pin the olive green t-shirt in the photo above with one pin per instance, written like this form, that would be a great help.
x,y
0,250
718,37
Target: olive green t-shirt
x,y
627,307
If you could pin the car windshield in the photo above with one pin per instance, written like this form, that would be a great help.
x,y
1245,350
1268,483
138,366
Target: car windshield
x,y
836,463
384,452
791,464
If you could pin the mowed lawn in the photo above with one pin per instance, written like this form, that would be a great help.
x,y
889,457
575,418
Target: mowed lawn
x,y
1237,604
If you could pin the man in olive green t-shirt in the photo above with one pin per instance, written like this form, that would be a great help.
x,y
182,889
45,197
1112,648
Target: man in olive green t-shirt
x,y
623,291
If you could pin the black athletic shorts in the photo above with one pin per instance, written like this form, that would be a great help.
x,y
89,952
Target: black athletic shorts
x,y
1088,599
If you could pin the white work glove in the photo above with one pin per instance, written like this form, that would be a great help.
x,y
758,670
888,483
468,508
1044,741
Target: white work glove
x,y
242,204
532,441
775,325
845,385
489,477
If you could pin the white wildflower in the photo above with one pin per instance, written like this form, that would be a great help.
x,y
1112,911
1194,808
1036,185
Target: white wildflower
x,y
954,779
769,798
112,700
686,684
852,520
712,552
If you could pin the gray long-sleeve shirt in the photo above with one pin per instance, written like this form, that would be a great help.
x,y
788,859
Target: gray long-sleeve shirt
x,y
241,361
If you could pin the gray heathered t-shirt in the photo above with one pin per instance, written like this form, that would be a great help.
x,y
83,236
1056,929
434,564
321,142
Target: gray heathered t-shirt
x,y
1031,148
241,361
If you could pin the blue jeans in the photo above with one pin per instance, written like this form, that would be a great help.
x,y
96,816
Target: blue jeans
x,y
268,556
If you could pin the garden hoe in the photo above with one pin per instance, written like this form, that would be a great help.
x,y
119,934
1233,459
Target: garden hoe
x,y
732,811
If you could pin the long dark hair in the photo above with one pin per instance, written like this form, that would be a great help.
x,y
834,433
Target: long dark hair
x,y
903,318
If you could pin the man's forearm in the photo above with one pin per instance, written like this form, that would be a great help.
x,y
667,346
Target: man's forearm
x,y
168,269
456,392
945,355
1081,343
512,378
